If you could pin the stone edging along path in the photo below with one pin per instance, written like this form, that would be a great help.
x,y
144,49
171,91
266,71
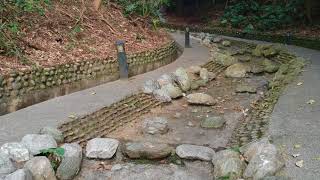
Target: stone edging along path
x,y
21,89
306,42
255,160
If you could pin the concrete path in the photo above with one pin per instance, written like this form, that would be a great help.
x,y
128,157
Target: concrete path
x,y
55,111
295,124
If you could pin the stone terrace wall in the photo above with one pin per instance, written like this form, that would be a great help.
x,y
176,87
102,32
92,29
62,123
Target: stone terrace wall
x,y
21,89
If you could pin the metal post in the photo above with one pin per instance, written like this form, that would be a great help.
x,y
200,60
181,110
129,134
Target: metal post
x,y
187,38
288,40
122,60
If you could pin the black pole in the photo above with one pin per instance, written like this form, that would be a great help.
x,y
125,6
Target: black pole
x,y
187,38
122,60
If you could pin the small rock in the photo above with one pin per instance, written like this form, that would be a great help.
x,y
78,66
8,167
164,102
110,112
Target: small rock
x,y
16,151
177,115
21,174
237,70
200,99
150,86
6,166
54,132
213,122
162,95
228,163
156,125
217,39
246,88
116,167
165,79
194,152
71,161
194,69
102,148
35,142
182,79
190,124
226,43
224,59
40,168
147,150
173,91
211,76
204,75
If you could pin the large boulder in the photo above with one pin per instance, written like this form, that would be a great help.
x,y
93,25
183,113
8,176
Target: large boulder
x,y
6,166
200,99
266,50
71,161
54,132
150,86
16,151
237,70
155,125
162,95
147,150
228,163
264,160
182,79
40,168
173,91
21,174
102,148
35,142
213,122
187,151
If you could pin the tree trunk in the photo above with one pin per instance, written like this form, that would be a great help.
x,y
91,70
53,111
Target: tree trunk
x,y
308,10
97,4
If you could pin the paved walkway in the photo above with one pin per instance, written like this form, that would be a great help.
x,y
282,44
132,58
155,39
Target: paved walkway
x,y
55,111
295,123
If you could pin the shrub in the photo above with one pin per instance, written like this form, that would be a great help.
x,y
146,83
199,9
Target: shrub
x,y
250,15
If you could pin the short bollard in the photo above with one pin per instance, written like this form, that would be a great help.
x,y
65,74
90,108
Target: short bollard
x,y
187,38
288,39
122,60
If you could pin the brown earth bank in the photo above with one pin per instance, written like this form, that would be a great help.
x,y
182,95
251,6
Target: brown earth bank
x,y
71,31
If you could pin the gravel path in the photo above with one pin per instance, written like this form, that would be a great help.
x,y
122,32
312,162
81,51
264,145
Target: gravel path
x,y
55,111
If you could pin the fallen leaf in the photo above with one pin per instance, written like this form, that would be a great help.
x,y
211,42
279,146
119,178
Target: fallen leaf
x,y
72,116
311,101
317,158
297,146
299,164
295,155
299,83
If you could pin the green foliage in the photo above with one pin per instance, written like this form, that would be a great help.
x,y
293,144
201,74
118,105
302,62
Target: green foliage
x,y
251,15
10,13
236,149
143,7
54,155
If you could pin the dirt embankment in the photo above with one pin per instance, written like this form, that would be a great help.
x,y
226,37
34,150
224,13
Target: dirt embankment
x,y
72,31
